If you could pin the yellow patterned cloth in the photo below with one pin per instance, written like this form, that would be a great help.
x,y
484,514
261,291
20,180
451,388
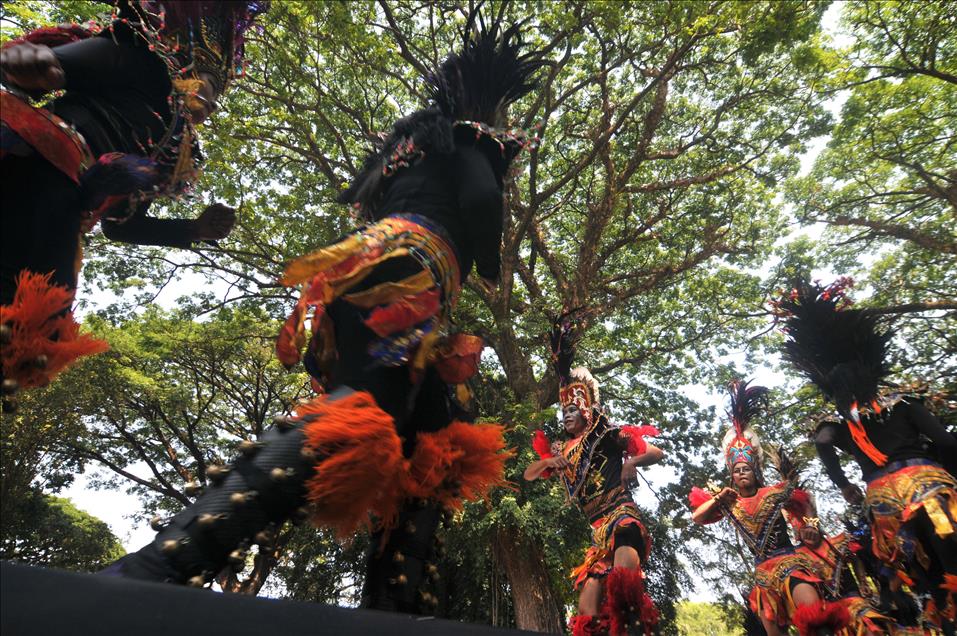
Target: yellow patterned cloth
x,y
895,498
407,314
865,619
771,595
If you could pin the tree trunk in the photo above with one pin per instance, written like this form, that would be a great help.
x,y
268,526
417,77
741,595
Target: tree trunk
x,y
536,606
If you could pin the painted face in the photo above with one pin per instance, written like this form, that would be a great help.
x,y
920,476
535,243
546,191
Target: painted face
x,y
743,478
572,419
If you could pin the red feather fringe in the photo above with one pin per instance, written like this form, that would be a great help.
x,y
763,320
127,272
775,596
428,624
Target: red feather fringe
x,y
40,327
53,36
588,625
403,313
544,449
360,462
461,462
541,445
627,602
634,435
799,507
361,469
698,497
810,618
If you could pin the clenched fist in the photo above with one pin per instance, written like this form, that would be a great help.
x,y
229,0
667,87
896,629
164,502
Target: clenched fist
x,y
32,68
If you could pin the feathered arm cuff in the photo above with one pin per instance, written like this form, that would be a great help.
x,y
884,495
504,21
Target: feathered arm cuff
x,y
697,498
799,508
634,436
544,449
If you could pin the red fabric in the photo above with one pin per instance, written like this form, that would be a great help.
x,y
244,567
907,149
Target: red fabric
x,y
859,435
292,337
635,436
627,602
404,313
42,325
698,497
458,358
831,616
46,133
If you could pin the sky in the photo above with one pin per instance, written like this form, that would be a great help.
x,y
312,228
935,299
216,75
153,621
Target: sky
x,y
117,508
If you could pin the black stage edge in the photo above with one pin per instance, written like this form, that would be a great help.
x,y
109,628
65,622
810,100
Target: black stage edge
x,y
54,603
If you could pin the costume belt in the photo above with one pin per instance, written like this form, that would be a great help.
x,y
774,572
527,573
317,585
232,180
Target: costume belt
x,y
893,467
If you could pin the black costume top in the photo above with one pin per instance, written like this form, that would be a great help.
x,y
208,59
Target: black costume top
x,y
462,193
118,98
896,431
594,477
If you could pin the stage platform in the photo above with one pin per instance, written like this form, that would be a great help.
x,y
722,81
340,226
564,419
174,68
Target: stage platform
x,y
41,602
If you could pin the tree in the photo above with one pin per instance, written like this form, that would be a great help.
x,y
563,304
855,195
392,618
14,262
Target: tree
x,y
701,619
172,397
886,184
666,129
51,532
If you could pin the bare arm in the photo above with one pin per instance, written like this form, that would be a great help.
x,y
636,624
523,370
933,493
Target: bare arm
x,y
711,510
536,468
629,469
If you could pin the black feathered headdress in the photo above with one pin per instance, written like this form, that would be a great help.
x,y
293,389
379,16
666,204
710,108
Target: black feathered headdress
x,y
841,350
469,94
486,76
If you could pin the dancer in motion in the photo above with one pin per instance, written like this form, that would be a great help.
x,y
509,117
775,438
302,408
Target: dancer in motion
x,y
784,579
911,497
597,463
388,439
120,135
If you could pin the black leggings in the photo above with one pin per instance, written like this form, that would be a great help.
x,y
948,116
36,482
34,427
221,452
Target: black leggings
x,y
631,537
41,222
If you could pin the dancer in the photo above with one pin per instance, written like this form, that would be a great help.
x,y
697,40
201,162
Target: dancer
x,y
911,498
836,560
784,579
389,436
120,135
591,466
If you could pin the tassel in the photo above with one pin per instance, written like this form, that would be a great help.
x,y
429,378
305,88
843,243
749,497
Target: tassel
x,y
457,463
588,625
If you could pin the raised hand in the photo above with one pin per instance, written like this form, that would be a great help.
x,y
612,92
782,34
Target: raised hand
x,y
32,67
216,222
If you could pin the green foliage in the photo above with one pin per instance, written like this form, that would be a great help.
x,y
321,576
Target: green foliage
x,y
670,131
702,619
51,532
886,184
